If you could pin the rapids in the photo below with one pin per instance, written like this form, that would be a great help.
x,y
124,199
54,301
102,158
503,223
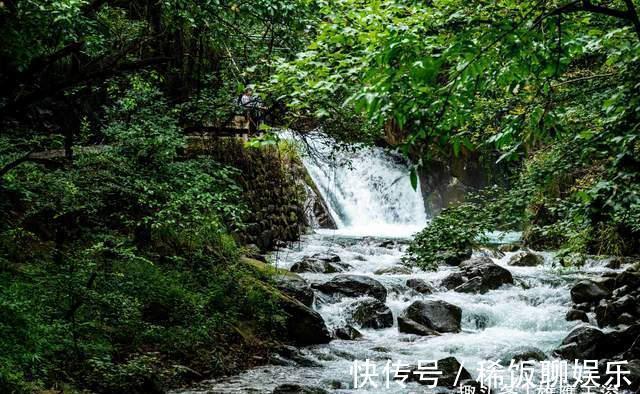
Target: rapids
x,y
372,201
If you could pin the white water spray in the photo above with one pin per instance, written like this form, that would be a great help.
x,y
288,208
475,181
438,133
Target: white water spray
x,y
368,191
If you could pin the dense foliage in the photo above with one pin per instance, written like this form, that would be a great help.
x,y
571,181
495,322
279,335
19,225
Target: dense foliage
x,y
120,249
548,87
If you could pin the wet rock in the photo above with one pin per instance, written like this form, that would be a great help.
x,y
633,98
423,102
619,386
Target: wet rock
x,y
395,270
616,342
452,281
302,324
473,285
528,354
409,326
437,315
348,333
576,314
298,389
509,248
453,258
328,257
388,244
614,263
491,275
585,306
587,291
628,278
489,252
634,376
295,287
419,285
607,313
371,313
620,291
526,259
353,286
291,355
607,282
626,319
634,350
449,367
311,264
582,343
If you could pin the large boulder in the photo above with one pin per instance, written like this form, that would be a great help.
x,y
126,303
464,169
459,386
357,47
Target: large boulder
x,y
583,343
419,285
452,280
436,315
453,258
610,312
449,367
348,333
409,326
371,313
526,259
295,287
576,314
324,264
302,325
588,291
353,286
490,275
394,270
619,341
629,278
509,248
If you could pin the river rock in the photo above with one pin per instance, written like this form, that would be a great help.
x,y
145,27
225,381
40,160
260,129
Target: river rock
x,y
394,270
582,343
587,291
437,315
576,314
298,389
634,350
528,354
619,341
628,278
473,285
353,286
452,280
509,248
453,258
409,326
609,312
491,275
348,333
295,287
302,324
449,367
526,259
489,252
312,264
419,285
371,313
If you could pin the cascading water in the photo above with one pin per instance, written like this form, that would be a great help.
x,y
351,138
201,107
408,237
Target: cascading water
x,y
367,200
367,190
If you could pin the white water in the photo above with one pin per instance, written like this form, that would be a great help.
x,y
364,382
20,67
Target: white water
x,y
375,198
494,325
368,191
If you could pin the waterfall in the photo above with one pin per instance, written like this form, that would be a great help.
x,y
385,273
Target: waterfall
x,y
367,189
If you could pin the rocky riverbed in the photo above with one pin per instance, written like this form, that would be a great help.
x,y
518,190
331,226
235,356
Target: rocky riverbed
x,y
488,306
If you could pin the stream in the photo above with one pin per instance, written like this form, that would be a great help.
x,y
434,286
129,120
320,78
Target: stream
x,y
377,212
